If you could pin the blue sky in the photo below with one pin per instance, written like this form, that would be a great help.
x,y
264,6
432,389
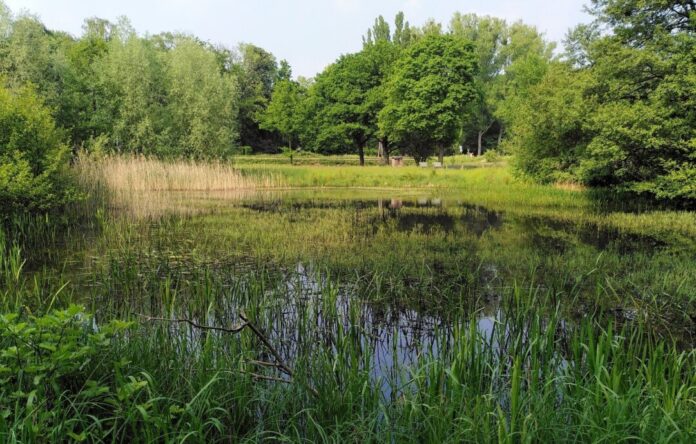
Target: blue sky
x,y
308,33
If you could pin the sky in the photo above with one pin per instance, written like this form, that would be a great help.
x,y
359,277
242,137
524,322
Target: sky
x,y
309,34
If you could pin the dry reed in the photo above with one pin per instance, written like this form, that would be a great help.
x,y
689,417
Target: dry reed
x,y
146,187
133,173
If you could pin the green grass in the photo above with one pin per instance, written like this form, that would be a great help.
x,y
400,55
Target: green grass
x,y
309,158
495,188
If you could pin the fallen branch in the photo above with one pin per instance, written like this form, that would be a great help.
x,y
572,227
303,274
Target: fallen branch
x,y
268,378
235,329
279,364
263,363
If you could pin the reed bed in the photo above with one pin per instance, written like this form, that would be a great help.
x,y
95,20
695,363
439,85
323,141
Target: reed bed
x,y
138,173
144,187
362,372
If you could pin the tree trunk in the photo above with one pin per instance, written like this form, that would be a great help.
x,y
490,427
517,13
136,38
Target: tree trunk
x,y
480,142
500,135
361,152
383,151
441,154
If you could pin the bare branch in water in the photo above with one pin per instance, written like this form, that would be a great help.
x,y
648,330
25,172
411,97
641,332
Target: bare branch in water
x,y
279,364
235,329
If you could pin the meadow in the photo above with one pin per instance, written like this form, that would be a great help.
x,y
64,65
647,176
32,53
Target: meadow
x,y
262,301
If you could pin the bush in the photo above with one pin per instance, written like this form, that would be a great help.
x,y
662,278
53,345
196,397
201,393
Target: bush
x,y
491,156
679,184
33,156
47,374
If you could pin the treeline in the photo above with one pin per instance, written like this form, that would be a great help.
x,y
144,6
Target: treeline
x,y
619,108
170,94
416,91
165,95
614,108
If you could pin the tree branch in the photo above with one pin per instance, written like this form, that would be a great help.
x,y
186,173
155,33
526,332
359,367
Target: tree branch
x,y
235,329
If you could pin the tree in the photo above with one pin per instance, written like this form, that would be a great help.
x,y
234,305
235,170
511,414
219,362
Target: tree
x,y
83,96
283,112
284,71
256,74
497,46
427,93
340,105
201,110
380,32
619,112
488,35
346,98
403,34
636,22
131,78
550,125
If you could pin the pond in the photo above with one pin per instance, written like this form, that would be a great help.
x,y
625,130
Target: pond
x,y
386,280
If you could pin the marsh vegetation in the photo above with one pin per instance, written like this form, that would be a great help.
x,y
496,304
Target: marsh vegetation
x,y
422,314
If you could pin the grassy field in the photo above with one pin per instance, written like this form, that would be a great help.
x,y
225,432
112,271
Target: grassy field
x,y
342,304
314,159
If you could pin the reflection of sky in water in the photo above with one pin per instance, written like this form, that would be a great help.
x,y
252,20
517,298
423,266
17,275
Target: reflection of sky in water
x,y
395,338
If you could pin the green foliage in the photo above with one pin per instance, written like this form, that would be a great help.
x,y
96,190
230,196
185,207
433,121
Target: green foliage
x,y
46,367
427,93
33,156
344,101
256,74
201,113
131,75
284,113
499,47
549,126
620,114
640,21
165,95
491,156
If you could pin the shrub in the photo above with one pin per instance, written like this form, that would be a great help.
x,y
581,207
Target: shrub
x,y
491,156
33,155
47,370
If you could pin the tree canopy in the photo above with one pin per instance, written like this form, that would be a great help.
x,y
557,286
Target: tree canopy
x,y
32,153
619,110
427,93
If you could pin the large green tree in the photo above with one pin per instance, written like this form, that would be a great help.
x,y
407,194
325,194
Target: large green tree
x,y
427,93
497,46
201,109
346,98
283,113
131,75
256,72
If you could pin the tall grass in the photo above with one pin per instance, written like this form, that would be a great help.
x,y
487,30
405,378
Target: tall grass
x,y
148,188
382,374
133,173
